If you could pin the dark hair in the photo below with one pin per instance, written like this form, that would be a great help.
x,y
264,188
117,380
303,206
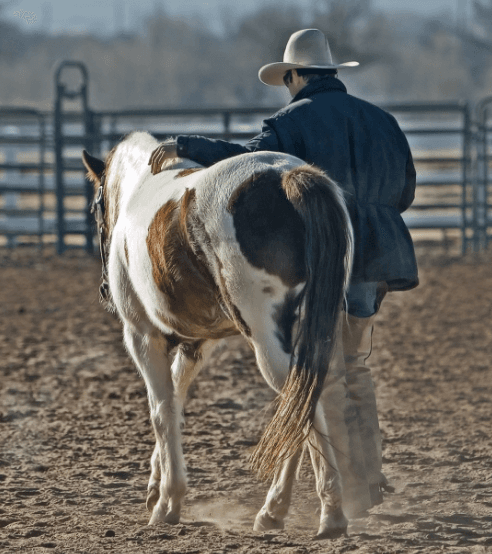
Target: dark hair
x,y
288,77
310,74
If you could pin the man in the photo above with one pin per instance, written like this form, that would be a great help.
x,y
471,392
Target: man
x,y
363,149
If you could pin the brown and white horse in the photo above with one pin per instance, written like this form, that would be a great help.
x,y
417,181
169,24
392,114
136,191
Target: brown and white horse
x,y
259,244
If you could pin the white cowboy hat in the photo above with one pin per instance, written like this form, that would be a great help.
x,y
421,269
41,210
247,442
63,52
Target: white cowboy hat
x,y
306,49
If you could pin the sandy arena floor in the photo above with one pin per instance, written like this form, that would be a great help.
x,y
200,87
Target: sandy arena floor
x,y
75,438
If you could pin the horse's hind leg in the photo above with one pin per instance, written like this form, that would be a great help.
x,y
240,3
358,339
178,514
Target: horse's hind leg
x,y
333,522
273,512
149,349
273,361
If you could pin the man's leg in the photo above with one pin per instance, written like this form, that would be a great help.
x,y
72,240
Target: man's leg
x,y
364,301
343,433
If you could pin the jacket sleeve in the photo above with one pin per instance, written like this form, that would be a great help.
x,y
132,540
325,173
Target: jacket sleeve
x,y
207,151
408,194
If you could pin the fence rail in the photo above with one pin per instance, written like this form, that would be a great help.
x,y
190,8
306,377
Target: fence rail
x,y
45,196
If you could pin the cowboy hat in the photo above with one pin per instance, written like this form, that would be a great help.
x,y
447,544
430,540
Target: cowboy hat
x,y
306,49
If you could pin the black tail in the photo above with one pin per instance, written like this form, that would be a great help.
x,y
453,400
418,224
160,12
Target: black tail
x,y
328,254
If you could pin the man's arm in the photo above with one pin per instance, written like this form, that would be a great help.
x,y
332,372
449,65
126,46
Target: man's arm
x,y
206,152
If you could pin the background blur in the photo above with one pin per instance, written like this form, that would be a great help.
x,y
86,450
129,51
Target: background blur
x,y
172,53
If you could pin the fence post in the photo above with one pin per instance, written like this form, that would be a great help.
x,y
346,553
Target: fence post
x,y
11,199
485,152
41,181
61,93
483,170
89,146
464,177
227,122
60,189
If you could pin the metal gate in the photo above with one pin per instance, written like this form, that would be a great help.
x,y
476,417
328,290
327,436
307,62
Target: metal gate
x,y
22,182
482,212
441,138
73,199
453,192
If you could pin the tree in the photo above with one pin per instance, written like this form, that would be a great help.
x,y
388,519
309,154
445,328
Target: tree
x,y
11,37
355,31
483,16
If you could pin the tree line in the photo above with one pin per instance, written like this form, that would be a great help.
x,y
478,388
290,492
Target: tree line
x,y
176,63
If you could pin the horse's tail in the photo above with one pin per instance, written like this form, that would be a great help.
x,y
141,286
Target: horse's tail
x,y
328,258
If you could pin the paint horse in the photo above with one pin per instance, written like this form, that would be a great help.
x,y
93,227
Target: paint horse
x,y
259,244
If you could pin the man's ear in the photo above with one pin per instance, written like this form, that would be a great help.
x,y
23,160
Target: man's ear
x,y
94,166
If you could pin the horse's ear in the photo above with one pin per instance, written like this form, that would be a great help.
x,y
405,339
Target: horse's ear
x,y
94,166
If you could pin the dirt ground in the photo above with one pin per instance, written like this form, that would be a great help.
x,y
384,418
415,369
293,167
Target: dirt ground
x,y
75,438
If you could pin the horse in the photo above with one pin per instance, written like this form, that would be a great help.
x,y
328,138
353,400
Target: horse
x,y
260,245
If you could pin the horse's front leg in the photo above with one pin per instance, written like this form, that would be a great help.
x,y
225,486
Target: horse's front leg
x,y
150,352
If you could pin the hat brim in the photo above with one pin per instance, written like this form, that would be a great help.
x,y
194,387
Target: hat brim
x,y
273,73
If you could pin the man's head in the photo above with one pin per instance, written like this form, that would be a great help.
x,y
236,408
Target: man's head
x,y
296,79
306,50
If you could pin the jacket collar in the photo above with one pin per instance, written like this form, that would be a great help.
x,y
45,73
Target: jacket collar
x,y
323,85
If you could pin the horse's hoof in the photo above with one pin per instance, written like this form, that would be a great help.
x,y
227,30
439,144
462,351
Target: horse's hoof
x,y
162,514
171,518
332,526
265,522
152,498
331,534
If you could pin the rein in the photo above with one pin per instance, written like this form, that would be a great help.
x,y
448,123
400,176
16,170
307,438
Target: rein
x,y
99,209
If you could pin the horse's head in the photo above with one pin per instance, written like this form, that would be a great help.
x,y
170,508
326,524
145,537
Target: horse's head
x,y
105,214
106,187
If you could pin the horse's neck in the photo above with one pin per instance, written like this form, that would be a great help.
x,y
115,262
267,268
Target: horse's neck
x,y
128,165
132,159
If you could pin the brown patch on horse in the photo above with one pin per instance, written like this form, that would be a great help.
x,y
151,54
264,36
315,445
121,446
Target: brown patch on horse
x,y
173,341
188,171
191,350
201,237
181,273
269,230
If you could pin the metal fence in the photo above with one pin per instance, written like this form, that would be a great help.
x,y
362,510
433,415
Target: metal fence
x,y
23,171
483,183
45,197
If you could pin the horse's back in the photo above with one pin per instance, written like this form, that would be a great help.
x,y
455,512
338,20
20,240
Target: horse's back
x,y
212,239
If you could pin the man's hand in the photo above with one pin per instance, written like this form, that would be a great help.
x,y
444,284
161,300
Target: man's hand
x,y
163,152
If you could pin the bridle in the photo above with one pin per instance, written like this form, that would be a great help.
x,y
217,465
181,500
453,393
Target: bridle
x,y
99,208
